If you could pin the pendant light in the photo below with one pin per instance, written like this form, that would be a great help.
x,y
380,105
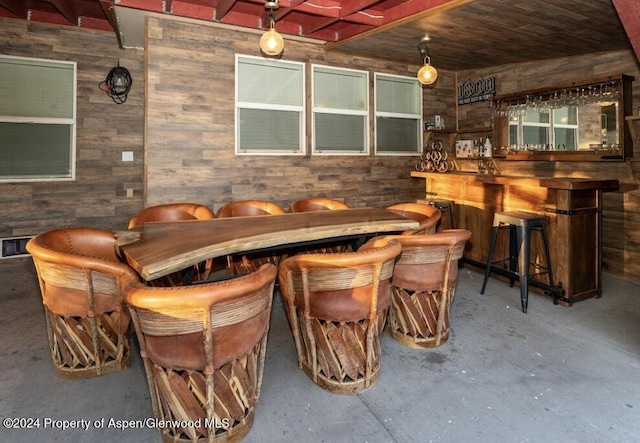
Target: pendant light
x,y
427,75
271,43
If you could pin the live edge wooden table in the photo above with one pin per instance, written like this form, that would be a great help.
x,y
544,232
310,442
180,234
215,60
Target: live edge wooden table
x,y
572,208
158,249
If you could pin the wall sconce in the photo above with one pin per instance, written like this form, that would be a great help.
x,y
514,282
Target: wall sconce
x,y
427,75
117,84
271,43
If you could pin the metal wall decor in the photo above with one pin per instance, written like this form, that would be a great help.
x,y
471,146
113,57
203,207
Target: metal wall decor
x,y
117,84
434,158
477,90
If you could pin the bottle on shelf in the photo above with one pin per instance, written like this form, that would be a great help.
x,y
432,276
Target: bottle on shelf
x,y
488,148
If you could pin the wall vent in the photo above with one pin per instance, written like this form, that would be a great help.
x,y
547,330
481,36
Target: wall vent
x,y
13,247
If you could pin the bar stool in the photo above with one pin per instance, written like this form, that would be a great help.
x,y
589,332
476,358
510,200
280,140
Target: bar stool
x,y
520,225
445,206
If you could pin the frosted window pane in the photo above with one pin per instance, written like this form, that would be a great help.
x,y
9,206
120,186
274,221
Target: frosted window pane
x,y
340,89
268,82
339,132
30,149
397,134
398,95
29,90
266,130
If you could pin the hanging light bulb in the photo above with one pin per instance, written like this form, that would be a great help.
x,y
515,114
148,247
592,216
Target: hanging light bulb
x,y
427,75
271,43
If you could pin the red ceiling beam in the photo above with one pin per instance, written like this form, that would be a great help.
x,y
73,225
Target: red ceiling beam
x,y
47,17
15,7
95,23
354,6
183,9
284,11
145,5
223,8
67,10
412,7
366,17
245,20
316,25
629,13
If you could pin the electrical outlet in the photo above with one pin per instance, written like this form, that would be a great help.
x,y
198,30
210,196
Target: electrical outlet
x,y
129,192
127,156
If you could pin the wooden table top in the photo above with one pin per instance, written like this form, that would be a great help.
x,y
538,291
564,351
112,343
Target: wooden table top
x,y
158,249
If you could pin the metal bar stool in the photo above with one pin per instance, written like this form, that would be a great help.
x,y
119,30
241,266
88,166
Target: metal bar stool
x,y
445,206
520,225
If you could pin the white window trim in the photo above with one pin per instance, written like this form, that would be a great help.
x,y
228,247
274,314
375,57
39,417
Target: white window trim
x,y
339,111
418,151
72,122
251,105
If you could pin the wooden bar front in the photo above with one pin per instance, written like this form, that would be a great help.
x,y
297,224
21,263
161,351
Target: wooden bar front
x,y
572,208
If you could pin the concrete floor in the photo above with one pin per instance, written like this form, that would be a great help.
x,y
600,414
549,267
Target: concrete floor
x,y
555,374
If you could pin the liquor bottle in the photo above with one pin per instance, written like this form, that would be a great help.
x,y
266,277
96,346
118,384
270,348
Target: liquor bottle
x,y
488,149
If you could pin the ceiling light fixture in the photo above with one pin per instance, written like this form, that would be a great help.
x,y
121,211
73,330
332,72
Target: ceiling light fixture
x,y
427,75
271,43
117,84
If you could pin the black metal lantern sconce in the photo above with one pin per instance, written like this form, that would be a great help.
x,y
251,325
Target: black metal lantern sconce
x,y
117,84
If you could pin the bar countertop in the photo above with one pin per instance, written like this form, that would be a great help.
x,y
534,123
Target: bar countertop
x,y
570,183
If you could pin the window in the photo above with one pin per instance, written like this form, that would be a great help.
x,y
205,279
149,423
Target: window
x,y
37,119
557,127
340,111
269,106
398,115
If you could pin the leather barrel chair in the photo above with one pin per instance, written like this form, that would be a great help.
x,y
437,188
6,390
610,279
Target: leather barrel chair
x,y
321,204
246,208
203,348
316,204
427,215
423,286
337,307
171,212
82,285
245,263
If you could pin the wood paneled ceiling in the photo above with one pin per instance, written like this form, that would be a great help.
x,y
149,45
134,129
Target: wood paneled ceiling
x,y
464,34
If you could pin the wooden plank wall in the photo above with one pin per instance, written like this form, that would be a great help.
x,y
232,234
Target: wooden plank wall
x,y
190,127
186,78
621,214
97,197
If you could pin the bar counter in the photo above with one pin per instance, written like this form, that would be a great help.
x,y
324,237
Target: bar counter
x,y
572,208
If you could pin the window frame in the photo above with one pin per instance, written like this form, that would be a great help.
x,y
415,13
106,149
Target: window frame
x,y
300,109
407,116
316,110
70,122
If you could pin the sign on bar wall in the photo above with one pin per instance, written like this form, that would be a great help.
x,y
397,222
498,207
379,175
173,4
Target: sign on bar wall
x,y
478,90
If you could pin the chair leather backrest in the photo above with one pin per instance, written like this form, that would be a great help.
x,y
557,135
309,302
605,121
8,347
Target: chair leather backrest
x,y
249,208
70,262
340,286
316,204
427,262
427,215
172,212
172,320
